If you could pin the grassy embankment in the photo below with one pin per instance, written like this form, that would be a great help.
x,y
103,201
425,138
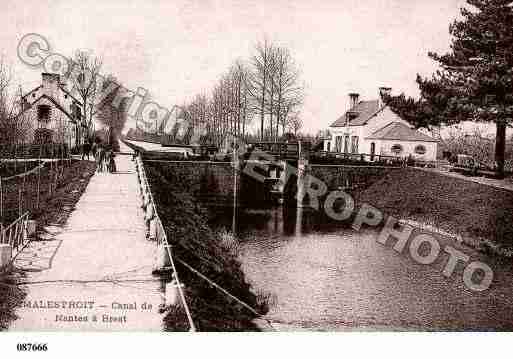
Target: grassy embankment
x,y
479,214
212,254
12,168
55,208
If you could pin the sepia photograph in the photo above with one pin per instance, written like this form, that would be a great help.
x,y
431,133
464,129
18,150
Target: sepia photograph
x,y
256,166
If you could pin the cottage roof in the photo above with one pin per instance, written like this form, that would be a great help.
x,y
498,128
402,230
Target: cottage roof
x,y
363,112
400,132
57,105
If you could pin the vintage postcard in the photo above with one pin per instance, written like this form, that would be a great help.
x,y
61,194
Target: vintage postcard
x,y
249,166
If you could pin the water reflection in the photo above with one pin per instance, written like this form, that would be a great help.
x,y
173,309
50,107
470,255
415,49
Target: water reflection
x,y
323,275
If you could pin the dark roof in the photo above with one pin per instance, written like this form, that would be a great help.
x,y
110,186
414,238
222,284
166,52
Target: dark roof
x,y
364,111
400,132
54,102
28,93
69,94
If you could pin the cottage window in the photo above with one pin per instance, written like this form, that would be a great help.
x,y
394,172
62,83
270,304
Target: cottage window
x,y
372,150
43,113
338,144
397,148
354,144
346,144
420,149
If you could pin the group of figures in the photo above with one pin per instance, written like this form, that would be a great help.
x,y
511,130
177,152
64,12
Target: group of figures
x,y
103,156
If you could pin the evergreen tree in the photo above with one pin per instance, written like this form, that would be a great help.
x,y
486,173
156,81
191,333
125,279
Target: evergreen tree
x,y
475,81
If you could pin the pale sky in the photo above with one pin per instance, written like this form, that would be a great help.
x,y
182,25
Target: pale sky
x,y
176,49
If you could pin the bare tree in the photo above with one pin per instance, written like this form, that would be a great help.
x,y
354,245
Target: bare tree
x,y
289,91
85,78
112,117
15,125
294,124
260,80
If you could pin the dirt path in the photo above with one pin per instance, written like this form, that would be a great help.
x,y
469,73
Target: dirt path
x,y
506,184
98,266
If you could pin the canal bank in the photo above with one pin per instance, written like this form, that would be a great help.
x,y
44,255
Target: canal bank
x,y
203,253
476,214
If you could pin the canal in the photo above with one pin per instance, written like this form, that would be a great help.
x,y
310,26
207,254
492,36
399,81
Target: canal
x,y
321,275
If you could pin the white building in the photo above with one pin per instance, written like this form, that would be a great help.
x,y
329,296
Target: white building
x,y
372,128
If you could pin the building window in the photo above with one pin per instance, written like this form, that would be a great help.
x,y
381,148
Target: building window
x,y
354,144
328,146
338,144
346,144
43,113
420,149
397,148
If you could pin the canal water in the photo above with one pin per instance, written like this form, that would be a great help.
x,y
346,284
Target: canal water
x,y
320,275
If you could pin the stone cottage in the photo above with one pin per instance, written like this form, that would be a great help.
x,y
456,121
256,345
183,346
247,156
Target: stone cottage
x,y
54,114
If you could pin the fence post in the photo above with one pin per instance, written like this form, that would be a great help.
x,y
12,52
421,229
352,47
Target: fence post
x,y
38,178
1,201
19,203
15,157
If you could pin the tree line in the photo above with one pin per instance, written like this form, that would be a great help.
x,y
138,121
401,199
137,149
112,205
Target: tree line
x,y
14,126
265,88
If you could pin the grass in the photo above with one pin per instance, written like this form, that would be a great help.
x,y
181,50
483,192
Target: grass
x,y
54,182
11,296
56,206
480,214
214,255
8,169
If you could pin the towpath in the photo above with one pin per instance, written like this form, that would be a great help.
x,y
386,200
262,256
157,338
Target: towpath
x,y
95,272
506,184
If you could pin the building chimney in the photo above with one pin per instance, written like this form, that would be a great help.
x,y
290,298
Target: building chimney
x,y
51,84
383,91
353,100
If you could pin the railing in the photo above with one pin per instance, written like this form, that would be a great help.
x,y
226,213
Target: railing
x,y
15,234
283,150
160,234
356,156
48,150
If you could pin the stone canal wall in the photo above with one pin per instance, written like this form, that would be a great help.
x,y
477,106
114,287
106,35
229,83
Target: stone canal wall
x,y
211,183
348,177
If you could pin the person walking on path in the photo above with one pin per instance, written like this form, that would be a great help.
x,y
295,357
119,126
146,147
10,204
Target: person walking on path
x,y
108,155
101,159
86,149
94,150
112,162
